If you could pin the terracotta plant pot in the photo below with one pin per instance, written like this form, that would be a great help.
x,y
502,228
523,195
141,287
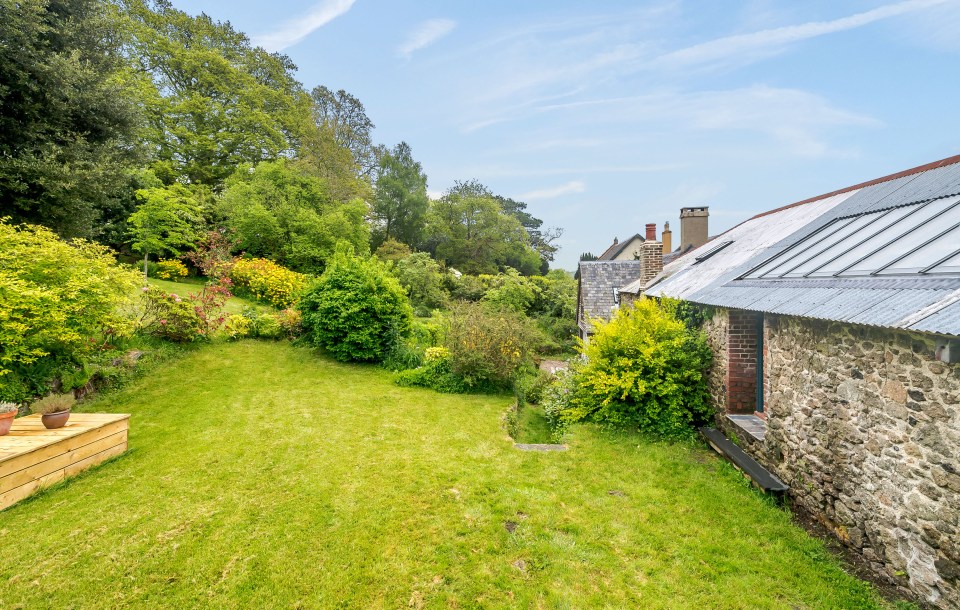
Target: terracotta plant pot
x,y
6,420
52,421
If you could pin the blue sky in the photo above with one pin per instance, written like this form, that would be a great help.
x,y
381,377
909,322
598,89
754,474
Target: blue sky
x,y
605,116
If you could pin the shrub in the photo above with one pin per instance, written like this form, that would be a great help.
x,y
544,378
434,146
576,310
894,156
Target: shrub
x,y
488,347
54,403
644,368
237,326
356,309
557,396
435,373
512,291
59,303
170,316
169,269
291,322
422,278
267,281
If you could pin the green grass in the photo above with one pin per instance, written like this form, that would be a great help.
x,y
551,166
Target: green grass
x,y
532,426
193,286
262,475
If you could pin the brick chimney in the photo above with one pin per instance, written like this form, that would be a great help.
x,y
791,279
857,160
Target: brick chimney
x,y
693,227
667,238
651,255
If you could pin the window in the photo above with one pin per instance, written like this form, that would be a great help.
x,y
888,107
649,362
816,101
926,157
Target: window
x,y
922,238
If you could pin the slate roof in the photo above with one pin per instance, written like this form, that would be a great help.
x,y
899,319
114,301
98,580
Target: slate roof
x,y
598,280
920,297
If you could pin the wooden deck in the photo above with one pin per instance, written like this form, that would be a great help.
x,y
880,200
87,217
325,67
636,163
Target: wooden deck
x,y
32,457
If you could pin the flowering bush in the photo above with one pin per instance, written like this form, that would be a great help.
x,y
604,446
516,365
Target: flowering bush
x,y
170,269
184,318
266,281
170,316
488,346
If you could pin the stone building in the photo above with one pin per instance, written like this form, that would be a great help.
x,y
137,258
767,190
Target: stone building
x,y
835,325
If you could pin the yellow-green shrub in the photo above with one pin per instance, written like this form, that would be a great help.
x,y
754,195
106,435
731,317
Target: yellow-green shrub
x,y
170,269
58,303
266,281
643,369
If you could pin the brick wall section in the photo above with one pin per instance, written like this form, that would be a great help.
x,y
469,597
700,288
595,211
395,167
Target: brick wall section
x,y
741,374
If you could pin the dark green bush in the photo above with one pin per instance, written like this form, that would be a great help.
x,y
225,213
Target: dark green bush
x,y
356,310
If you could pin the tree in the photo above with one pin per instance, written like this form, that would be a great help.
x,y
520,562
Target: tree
x,y
281,212
68,117
468,230
166,221
400,203
345,117
541,240
214,100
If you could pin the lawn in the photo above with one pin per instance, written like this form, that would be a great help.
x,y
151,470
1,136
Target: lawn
x,y
194,286
262,475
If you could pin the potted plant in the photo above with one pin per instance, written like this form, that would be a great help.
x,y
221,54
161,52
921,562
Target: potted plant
x,y
54,409
8,411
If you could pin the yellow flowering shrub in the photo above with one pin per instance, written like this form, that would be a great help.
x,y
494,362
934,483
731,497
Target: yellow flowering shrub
x,y
489,346
171,269
266,281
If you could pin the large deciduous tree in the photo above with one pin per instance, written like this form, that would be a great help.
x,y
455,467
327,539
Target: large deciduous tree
x,y
216,101
68,118
468,230
282,212
400,203
345,118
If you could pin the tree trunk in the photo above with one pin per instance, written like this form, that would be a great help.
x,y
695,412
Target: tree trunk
x,y
145,255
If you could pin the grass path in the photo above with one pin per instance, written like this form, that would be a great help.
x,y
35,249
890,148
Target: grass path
x,y
266,476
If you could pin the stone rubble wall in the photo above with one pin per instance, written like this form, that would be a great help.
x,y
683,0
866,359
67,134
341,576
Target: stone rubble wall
x,y
715,329
864,425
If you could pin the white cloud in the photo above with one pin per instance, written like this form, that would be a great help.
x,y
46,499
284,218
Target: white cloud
x,y
295,30
434,194
575,186
746,46
425,35
796,119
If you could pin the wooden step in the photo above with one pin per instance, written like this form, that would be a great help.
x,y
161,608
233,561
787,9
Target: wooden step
x,y
760,476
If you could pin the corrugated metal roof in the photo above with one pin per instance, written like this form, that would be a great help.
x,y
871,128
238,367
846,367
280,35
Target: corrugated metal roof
x,y
946,321
911,300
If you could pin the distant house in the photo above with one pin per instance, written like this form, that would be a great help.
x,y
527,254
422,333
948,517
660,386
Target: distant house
x,y
835,326
598,292
628,250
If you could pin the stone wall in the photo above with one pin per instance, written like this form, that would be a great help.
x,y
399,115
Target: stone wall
x,y
715,328
864,425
